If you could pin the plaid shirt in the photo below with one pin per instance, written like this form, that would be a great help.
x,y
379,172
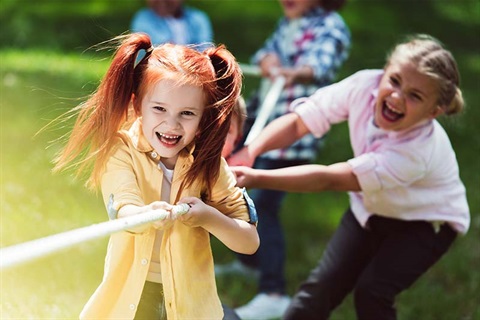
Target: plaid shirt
x,y
320,40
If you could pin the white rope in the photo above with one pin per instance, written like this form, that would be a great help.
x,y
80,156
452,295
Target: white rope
x,y
266,109
23,252
250,70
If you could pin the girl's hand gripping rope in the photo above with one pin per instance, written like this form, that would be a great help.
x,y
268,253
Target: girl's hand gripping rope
x,y
174,211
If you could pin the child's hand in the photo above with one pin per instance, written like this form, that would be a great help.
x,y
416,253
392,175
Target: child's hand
x,y
162,205
198,215
241,158
245,176
269,65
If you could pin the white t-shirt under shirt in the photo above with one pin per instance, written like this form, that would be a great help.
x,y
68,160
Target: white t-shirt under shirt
x,y
154,271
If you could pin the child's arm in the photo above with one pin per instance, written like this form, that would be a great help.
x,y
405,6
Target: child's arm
x,y
280,133
238,235
306,178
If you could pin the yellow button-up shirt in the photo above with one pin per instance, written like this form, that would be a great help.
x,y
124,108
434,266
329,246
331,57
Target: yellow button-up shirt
x,y
132,176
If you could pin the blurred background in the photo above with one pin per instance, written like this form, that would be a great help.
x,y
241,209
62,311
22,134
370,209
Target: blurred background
x,y
48,64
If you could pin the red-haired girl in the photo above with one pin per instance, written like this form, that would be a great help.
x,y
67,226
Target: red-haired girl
x,y
153,133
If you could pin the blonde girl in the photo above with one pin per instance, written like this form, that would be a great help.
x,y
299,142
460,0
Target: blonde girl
x,y
153,133
407,202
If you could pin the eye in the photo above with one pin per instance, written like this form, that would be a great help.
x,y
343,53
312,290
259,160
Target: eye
x,y
415,96
394,81
159,108
188,113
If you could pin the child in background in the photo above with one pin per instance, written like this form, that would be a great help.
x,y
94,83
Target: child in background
x,y
154,132
308,47
170,21
235,133
407,202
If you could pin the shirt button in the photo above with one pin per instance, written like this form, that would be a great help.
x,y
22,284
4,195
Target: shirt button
x,y
144,262
132,307
154,154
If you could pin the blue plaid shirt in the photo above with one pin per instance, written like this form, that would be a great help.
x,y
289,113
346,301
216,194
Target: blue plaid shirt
x,y
320,40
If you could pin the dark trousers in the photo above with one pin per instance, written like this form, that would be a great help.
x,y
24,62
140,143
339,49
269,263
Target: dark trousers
x,y
152,304
270,256
376,263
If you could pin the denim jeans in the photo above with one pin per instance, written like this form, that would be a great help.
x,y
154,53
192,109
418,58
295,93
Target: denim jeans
x,y
270,256
377,263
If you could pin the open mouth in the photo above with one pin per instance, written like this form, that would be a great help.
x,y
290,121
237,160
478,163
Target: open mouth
x,y
390,113
167,139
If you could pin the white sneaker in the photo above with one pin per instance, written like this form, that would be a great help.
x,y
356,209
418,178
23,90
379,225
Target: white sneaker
x,y
264,307
237,267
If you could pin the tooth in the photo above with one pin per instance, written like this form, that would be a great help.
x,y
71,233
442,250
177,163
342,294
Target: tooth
x,y
393,109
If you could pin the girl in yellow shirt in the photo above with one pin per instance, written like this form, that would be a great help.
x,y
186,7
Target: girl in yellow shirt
x,y
153,133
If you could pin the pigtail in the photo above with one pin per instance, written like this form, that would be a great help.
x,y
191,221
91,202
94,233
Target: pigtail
x,y
104,113
215,123
457,104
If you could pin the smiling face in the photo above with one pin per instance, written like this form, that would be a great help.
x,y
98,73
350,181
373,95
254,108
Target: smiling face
x,y
170,116
405,97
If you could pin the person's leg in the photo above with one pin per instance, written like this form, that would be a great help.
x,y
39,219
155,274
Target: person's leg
x,y
270,256
346,255
271,300
407,251
229,313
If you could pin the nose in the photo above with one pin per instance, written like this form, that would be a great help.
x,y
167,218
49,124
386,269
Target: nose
x,y
172,122
397,94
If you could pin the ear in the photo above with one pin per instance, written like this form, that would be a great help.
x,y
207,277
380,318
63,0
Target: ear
x,y
438,110
136,107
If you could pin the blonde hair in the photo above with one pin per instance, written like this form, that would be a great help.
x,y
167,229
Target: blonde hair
x,y
433,60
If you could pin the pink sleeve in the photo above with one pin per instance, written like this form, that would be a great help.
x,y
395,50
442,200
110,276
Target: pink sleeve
x,y
328,105
364,169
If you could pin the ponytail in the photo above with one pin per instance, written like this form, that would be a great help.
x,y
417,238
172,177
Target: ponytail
x,y
104,113
457,104
222,95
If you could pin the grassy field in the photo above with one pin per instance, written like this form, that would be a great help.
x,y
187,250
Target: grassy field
x,y
47,68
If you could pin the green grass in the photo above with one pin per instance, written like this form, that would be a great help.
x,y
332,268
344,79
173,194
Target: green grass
x,y
44,72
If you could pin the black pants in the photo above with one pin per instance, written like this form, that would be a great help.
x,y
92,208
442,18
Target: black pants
x,y
152,304
376,263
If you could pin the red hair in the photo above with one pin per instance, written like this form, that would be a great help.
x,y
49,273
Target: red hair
x,y
109,108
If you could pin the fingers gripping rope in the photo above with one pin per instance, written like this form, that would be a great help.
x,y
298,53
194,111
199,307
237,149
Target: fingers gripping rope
x,y
23,252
